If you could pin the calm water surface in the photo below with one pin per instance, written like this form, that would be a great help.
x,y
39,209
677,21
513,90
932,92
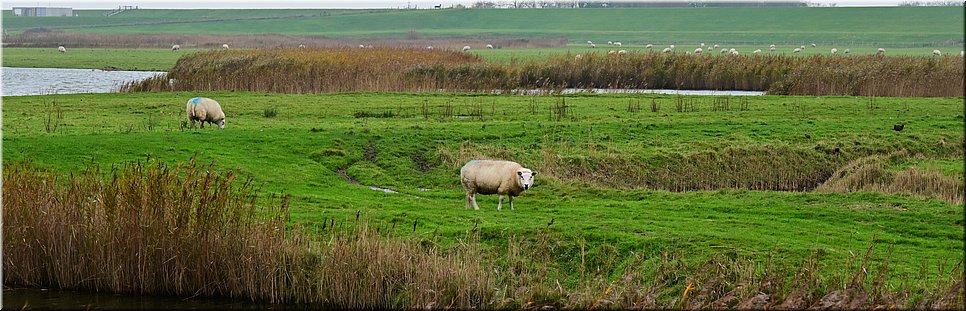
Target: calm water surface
x,y
43,81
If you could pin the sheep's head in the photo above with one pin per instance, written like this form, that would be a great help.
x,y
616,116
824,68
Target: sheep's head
x,y
525,177
221,124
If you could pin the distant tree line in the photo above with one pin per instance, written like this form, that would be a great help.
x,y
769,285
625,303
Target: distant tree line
x,y
627,4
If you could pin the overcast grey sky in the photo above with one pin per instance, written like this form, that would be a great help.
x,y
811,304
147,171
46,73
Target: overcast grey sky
x,y
200,4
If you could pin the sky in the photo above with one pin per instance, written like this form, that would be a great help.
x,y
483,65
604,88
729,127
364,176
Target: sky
x,y
330,4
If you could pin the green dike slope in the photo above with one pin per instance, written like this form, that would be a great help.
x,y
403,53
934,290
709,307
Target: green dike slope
x,y
313,138
869,25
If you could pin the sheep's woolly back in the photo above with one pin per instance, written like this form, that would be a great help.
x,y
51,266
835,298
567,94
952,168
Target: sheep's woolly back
x,y
204,109
491,177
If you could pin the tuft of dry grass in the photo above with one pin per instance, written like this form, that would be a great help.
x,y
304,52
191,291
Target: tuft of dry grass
x,y
870,174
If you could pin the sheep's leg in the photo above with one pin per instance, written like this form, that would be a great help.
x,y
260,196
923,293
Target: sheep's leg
x,y
511,202
467,200
499,206
475,206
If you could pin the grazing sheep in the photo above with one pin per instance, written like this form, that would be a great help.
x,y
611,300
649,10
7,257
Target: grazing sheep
x,y
937,53
610,42
698,51
756,51
834,50
224,46
734,52
813,44
797,50
771,46
717,46
667,50
505,178
771,49
466,48
618,43
702,44
590,42
648,46
622,52
611,52
362,46
802,47
671,46
846,51
205,110
489,46
429,47
61,49
175,47
880,51
593,46
301,46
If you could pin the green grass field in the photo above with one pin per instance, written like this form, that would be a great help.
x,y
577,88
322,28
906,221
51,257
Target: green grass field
x,y
906,26
300,151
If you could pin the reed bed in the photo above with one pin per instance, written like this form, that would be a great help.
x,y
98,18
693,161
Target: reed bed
x,y
189,231
336,70
302,70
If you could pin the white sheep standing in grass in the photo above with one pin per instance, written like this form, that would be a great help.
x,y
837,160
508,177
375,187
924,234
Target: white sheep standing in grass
x,y
717,46
224,46
61,49
734,52
505,178
489,46
611,52
622,52
667,50
301,46
813,45
429,47
466,48
590,42
847,51
618,43
610,42
648,46
756,51
593,46
205,110
724,50
698,51
880,51
175,47
671,46
771,49
797,50
771,46
834,50
937,53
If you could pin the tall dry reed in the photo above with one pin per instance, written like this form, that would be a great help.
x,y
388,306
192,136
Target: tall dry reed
x,y
871,174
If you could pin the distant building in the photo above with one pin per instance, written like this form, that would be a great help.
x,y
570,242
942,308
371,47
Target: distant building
x,y
41,11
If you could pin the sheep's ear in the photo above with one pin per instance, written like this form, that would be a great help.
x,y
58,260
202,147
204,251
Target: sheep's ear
x,y
533,173
520,173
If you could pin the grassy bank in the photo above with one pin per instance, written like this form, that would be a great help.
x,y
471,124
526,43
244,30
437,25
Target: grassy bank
x,y
153,230
608,165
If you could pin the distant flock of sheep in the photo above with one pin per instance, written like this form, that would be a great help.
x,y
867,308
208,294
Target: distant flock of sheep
x,y
669,49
